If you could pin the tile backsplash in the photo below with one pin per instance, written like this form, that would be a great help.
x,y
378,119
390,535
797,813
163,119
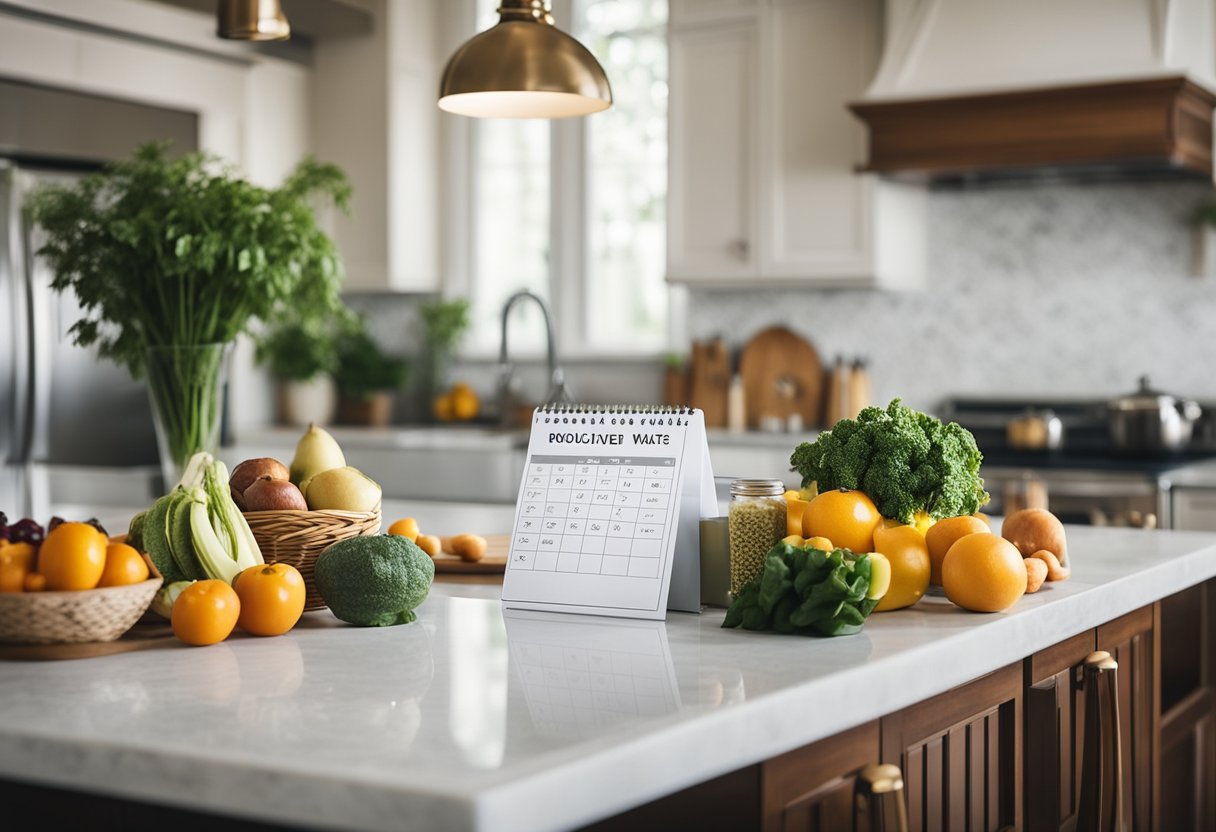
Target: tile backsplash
x,y
1035,289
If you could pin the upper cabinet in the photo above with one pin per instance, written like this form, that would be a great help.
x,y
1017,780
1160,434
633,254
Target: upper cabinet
x,y
764,154
375,116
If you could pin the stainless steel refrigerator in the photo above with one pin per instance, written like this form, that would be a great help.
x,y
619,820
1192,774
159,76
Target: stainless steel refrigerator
x,y
75,430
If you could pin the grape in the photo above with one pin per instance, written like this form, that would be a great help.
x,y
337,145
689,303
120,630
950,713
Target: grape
x,y
95,523
3,526
55,521
26,531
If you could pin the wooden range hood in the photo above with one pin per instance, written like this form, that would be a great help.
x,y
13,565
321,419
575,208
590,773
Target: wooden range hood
x,y
1153,125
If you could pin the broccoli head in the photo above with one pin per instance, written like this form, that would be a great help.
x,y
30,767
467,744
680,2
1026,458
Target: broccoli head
x,y
904,460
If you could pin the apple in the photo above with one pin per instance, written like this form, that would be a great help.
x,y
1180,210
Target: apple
x,y
268,494
251,470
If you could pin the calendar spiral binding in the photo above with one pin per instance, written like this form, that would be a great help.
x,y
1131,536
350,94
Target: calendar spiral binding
x,y
613,409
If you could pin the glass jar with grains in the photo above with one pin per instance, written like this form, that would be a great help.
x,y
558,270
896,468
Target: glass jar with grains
x,y
756,521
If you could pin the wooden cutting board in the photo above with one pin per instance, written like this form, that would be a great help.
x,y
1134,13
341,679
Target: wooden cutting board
x,y
782,374
495,560
709,380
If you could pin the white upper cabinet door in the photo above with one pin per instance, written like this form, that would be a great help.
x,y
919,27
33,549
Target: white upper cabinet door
x,y
697,12
815,215
712,162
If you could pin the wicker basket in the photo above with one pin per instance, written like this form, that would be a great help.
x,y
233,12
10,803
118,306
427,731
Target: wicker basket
x,y
101,614
298,537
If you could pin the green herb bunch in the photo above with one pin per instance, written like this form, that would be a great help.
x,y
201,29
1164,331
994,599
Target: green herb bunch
x,y
363,368
806,592
183,252
298,349
445,323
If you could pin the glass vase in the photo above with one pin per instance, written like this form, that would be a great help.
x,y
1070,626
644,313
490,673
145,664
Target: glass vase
x,y
186,388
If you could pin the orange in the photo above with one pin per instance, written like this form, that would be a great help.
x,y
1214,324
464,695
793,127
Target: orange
x,y
272,598
847,518
205,613
12,574
941,537
34,582
465,404
72,557
905,549
405,527
795,507
124,566
984,572
443,408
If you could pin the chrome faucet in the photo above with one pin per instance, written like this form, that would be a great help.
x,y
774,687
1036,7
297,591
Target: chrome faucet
x,y
557,377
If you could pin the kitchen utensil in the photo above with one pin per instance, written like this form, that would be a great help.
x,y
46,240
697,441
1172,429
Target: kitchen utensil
x,y
710,380
1150,422
72,617
836,406
859,388
1035,430
297,538
781,375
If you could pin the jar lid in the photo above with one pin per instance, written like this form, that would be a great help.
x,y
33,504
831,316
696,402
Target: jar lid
x,y
757,488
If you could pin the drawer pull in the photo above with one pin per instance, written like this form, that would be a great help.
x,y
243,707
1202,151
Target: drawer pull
x,y
879,802
1101,805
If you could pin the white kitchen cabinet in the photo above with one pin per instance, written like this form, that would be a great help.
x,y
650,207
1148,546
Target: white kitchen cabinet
x,y
712,165
763,182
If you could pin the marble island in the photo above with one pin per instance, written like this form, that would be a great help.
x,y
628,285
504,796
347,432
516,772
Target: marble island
x,y
475,719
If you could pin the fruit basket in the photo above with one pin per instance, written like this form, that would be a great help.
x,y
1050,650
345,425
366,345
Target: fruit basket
x,y
102,614
298,537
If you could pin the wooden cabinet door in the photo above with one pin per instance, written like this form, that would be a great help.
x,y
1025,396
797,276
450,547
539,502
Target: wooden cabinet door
x,y
810,789
960,753
1054,731
1186,750
1129,640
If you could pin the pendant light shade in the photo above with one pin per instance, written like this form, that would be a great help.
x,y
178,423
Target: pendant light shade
x,y
252,20
524,67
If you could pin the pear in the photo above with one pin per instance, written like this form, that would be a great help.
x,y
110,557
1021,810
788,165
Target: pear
x,y
343,489
316,451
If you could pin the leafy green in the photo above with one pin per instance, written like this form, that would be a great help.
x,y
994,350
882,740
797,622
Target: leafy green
x,y
297,348
363,368
181,252
445,322
904,460
806,592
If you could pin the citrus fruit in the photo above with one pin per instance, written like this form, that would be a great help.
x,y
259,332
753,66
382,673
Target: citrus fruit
x,y
795,507
272,598
904,548
941,537
880,575
124,566
984,572
821,543
72,557
847,518
205,612
405,527
465,404
794,540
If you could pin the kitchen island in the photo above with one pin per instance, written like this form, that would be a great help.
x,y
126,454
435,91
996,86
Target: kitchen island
x,y
472,719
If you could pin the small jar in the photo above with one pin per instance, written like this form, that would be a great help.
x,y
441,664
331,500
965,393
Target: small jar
x,y
756,521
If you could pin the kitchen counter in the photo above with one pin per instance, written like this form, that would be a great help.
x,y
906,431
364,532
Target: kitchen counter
x,y
469,719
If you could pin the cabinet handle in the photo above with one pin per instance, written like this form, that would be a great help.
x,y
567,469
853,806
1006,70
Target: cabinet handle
x,y
1101,805
879,800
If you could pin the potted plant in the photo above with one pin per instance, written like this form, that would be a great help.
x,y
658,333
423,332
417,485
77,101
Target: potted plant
x,y
366,377
444,324
173,258
300,354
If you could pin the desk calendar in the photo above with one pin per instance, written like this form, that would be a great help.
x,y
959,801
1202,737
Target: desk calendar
x,y
607,521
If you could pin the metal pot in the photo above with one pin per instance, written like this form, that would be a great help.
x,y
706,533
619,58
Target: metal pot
x,y
1149,421
1035,430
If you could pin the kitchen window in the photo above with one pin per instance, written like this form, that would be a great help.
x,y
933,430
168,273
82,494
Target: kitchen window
x,y
575,209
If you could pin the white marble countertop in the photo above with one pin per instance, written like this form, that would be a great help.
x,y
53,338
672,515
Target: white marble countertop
x,y
467,720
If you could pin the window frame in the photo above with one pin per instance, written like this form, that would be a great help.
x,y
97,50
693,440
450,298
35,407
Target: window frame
x,y
569,232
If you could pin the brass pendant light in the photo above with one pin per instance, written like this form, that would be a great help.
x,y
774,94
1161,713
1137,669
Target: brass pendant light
x,y
252,20
524,67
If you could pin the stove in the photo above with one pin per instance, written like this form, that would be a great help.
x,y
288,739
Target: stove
x,y
1085,481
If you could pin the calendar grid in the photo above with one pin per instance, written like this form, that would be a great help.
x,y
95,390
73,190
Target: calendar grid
x,y
594,515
